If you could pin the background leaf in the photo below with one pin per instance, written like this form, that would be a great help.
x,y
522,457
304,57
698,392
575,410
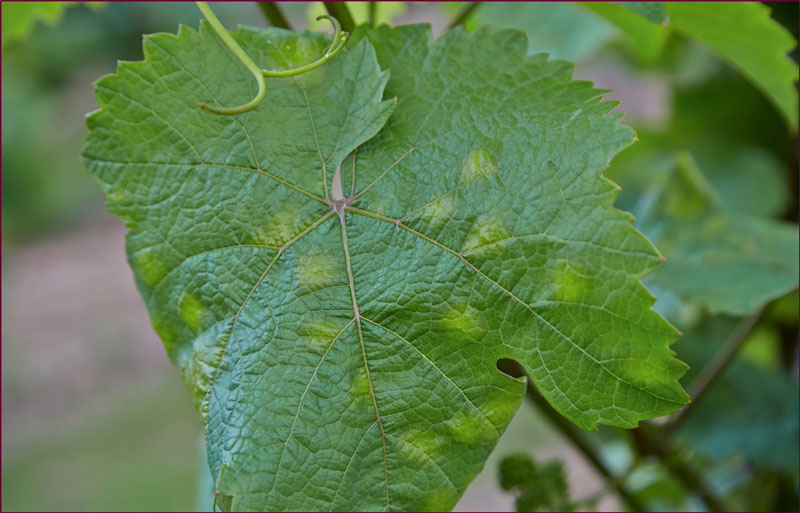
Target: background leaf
x,y
716,257
562,29
539,487
654,12
19,18
751,411
646,36
744,34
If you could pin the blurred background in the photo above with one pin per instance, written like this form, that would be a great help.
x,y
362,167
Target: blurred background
x,y
94,416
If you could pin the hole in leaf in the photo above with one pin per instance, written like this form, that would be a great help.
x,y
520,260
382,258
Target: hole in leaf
x,y
510,368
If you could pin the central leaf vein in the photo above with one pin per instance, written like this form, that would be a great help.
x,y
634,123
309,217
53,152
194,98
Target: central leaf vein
x,y
357,317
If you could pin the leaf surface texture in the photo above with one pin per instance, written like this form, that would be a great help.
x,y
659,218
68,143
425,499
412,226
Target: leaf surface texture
x,y
345,358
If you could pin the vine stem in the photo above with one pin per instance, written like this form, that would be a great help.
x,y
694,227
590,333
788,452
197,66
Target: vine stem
x,y
274,15
340,11
573,434
652,440
714,369
463,15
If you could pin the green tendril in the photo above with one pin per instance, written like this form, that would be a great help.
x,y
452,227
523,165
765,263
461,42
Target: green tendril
x,y
339,39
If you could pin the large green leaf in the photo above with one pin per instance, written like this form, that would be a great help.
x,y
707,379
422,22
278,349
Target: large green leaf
x,y
717,257
340,325
745,35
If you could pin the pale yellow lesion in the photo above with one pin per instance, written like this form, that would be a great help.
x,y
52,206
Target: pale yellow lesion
x,y
470,428
500,406
317,334
487,229
359,383
151,268
439,212
278,229
441,499
465,318
425,440
570,284
192,312
315,271
479,164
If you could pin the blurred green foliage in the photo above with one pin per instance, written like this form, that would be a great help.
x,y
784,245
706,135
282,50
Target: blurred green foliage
x,y
538,486
753,409
19,18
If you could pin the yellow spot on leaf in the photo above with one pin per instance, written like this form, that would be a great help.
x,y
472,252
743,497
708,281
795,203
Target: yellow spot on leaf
x,y
165,330
440,211
478,164
465,318
280,228
360,383
316,271
487,228
501,406
425,441
319,334
192,312
570,284
470,428
150,267
441,499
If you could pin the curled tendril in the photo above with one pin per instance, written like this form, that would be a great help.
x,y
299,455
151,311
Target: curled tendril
x,y
339,39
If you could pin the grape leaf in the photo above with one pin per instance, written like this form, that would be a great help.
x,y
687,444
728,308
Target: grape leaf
x,y
646,36
654,12
19,18
746,178
340,324
730,262
562,29
745,35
